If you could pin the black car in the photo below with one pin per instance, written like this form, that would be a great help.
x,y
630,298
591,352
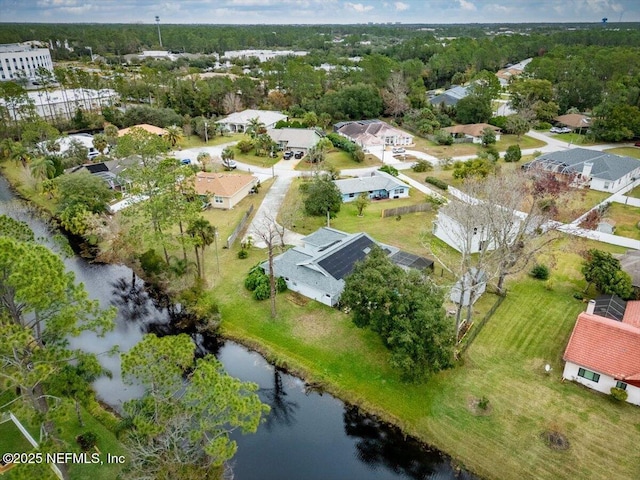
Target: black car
x,y
299,155
287,155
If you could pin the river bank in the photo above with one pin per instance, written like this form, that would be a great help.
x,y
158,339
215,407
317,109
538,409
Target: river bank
x,y
505,365
371,432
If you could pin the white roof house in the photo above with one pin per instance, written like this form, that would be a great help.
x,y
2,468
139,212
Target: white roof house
x,y
239,121
372,133
378,185
301,139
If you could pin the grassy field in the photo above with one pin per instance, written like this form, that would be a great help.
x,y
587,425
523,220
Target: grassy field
x,y
341,160
194,141
635,193
626,218
633,152
460,149
505,364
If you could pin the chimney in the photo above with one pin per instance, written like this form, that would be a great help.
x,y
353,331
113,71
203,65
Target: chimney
x,y
591,307
586,170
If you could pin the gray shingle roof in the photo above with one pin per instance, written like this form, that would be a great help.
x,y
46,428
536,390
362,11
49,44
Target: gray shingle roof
x,y
295,137
377,181
605,165
450,97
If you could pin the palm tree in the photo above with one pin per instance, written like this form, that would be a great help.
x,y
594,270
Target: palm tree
x,y
100,142
203,234
174,135
204,158
15,151
42,167
255,127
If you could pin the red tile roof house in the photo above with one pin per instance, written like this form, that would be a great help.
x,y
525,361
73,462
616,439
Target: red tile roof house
x,y
604,348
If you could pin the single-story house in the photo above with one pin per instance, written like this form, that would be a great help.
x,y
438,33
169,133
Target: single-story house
x,y
298,139
604,347
574,121
600,171
379,185
65,143
473,131
317,268
450,97
239,121
144,126
371,133
511,71
225,189
110,171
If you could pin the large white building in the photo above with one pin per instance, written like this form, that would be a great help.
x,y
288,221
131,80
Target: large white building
x,y
62,103
22,60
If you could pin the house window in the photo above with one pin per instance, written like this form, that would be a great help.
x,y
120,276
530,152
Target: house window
x,y
217,199
606,184
589,375
621,385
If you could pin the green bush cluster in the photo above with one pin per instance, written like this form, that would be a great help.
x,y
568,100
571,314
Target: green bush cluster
x,y
619,394
389,169
87,440
258,282
422,166
342,143
513,153
436,182
541,272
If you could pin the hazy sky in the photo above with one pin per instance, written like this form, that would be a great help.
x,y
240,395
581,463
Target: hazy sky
x,y
318,11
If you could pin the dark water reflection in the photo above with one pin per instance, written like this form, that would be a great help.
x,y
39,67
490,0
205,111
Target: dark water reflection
x,y
308,435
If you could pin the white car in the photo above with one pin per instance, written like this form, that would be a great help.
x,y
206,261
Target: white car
x,y
398,150
229,164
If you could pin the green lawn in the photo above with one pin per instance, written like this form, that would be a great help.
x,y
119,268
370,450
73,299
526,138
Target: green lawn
x,y
460,149
635,193
633,152
626,218
193,141
341,160
250,158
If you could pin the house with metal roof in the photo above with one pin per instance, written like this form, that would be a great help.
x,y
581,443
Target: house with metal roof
x,y
379,185
604,348
239,121
318,267
371,133
597,170
298,139
450,97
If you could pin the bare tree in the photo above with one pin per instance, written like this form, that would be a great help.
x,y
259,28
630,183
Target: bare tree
x,y
268,230
394,96
231,102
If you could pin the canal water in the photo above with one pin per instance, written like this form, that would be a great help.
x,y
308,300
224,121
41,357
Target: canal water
x,y
308,434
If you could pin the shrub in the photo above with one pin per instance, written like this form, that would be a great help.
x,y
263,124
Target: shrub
x,y
483,403
436,182
281,285
619,394
256,275
421,166
151,262
263,290
443,137
541,272
88,440
244,146
304,187
513,153
543,126
342,143
242,254
492,153
499,121
389,169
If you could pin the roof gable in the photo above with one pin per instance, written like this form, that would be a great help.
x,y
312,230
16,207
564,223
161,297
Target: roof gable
x,y
221,184
606,346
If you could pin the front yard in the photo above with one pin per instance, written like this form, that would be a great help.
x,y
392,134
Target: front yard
x,y
461,149
627,220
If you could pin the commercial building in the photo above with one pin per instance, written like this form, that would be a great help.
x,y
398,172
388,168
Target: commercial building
x,y
22,60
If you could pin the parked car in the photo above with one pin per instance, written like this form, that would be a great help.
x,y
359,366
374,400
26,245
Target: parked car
x,y
229,164
287,155
185,161
398,150
555,130
566,130
637,144
298,155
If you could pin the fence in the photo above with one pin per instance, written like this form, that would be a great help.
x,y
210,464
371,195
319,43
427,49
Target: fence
x,y
473,332
394,212
232,238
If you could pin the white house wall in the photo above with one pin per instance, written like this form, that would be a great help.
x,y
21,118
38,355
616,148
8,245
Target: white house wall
x,y
451,233
604,384
310,292
613,186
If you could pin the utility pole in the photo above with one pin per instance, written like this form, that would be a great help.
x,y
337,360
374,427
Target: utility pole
x,y
158,23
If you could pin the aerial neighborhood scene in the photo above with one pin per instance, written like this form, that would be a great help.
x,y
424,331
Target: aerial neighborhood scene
x,y
320,240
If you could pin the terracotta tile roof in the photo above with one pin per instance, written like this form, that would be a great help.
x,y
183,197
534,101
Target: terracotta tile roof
x,y
606,346
222,184
145,126
632,314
